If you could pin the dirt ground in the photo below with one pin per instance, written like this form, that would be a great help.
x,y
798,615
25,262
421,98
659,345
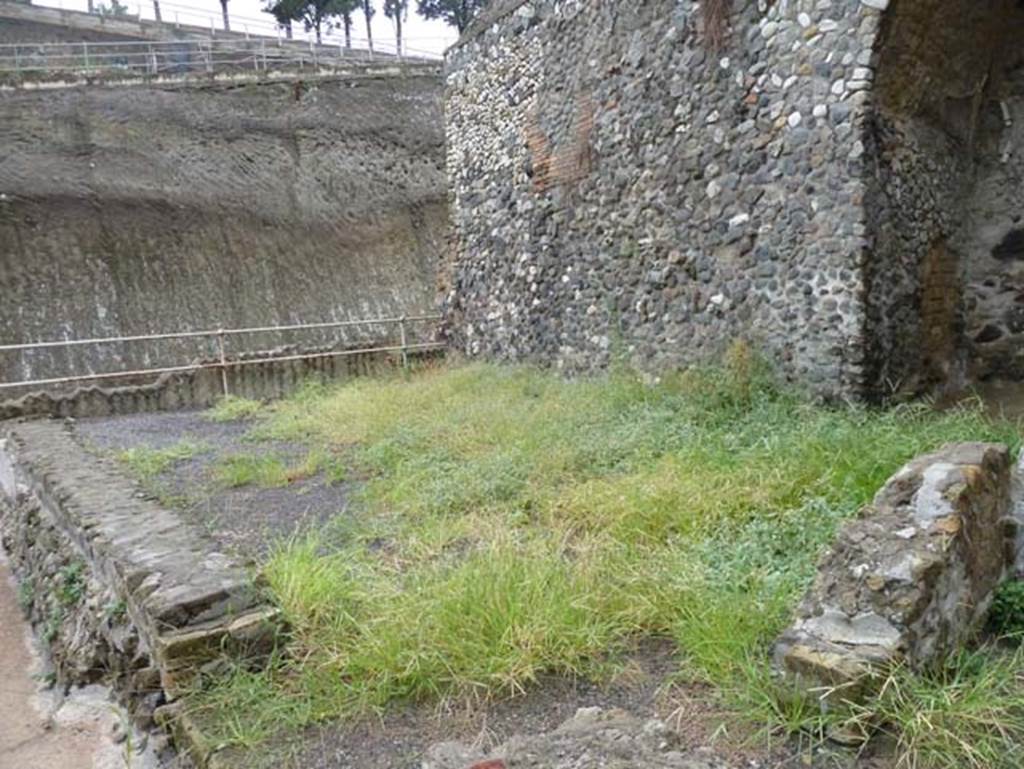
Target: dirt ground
x,y
246,521
41,728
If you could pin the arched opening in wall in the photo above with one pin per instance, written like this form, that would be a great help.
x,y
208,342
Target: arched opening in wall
x,y
945,205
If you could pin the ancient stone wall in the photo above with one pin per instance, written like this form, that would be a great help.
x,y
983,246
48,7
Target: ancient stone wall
x,y
25,23
249,377
617,186
839,184
22,22
993,242
169,207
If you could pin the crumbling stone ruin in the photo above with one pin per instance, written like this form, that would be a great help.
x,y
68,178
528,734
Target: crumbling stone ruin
x,y
840,183
910,580
119,588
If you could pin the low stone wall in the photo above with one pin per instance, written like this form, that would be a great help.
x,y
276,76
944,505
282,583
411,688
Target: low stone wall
x,y
117,587
910,580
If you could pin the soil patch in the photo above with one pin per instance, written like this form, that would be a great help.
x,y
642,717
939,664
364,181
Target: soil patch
x,y
246,521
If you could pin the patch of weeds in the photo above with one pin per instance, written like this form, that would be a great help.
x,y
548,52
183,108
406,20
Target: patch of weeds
x,y
968,714
1006,616
115,610
51,628
232,408
47,680
269,471
266,471
148,463
332,465
26,593
172,499
72,584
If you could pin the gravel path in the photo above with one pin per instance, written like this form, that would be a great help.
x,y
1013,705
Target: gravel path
x,y
247,521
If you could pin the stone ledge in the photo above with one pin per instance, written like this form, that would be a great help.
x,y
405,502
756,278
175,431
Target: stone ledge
x,y
911,579
184,603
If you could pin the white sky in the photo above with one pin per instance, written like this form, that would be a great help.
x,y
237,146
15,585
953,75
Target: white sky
x,y
420,35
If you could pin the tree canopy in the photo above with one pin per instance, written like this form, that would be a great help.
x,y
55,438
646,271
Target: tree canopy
x,y
315,14
457,13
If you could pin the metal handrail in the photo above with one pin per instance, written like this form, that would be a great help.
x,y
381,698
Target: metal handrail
x,y
219,332
192,18
204,55
262,357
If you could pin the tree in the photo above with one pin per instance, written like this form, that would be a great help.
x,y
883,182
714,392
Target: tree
x,y
368,11
457,13
114,9
398,12
315,15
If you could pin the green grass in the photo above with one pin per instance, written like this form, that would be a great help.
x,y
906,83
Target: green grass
x,y
264,470
232,408
270,471
516,524
968,715
148,463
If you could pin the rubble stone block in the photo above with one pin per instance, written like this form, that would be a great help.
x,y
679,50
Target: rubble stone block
x,y
911,578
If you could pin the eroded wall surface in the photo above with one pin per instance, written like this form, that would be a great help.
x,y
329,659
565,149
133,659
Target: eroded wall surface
x,y
134,210
619,187
945,153
994,237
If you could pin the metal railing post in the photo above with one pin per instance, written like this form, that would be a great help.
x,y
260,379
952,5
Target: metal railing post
x,y
223,362
17,62
405,350
85,54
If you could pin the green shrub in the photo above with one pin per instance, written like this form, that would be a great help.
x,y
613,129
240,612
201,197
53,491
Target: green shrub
x,y
1006,616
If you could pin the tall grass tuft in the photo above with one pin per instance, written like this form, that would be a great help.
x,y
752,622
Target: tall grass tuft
x,y
232,408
